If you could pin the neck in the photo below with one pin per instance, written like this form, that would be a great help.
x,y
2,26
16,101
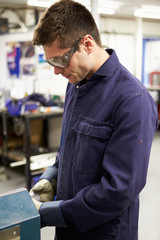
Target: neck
x,y
99,57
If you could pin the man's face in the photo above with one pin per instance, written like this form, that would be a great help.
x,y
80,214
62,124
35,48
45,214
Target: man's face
x,y
79,65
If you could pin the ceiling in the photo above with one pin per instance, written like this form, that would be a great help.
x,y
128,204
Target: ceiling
x,y
125,10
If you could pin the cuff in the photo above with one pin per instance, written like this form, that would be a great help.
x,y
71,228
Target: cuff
x,y
51,215
50,173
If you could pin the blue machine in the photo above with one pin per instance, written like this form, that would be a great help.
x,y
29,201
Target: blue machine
x,y
19,218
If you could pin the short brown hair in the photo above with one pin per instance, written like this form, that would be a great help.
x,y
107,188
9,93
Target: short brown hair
x,y
65,21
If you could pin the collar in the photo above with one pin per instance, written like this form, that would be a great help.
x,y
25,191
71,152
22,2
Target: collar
x,y
109,66
106,70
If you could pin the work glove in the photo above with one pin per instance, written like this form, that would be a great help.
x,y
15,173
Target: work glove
x,y
37,204
45,189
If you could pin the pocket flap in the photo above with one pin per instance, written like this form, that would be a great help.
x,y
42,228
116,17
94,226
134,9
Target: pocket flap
x,y
93,128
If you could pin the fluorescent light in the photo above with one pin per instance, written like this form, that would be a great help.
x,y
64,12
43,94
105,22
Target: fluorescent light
x,y
109,4
106,11
84,2
148,12
108,7
40,3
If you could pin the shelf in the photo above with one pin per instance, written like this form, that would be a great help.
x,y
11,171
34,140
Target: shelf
x,y
56,112
16,155
35,153
37,162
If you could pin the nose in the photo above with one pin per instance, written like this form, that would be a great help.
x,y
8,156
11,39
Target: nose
x,y
58,70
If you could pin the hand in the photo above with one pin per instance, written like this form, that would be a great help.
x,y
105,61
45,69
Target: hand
x,y
37,204
45,190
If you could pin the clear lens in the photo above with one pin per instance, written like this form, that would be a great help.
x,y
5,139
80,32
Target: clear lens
x,y
63,61
54,63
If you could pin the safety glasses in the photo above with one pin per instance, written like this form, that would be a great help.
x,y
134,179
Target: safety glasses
x,y
64,60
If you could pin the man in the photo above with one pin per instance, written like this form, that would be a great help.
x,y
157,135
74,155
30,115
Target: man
x,y
108,126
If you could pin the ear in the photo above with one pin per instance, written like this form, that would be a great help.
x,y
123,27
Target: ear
x,y
88,43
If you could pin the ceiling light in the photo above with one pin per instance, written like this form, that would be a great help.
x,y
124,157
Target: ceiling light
x,y
148,12
40,3
109,7
109,4
106,11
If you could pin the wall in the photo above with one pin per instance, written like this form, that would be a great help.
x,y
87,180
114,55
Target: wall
x,y
43,81
152,61
5,81
124,35
54,132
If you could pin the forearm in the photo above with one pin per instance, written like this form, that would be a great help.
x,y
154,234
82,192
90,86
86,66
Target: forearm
x,y
51,214
50,173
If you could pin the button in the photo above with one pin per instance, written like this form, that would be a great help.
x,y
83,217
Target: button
x,y
77,86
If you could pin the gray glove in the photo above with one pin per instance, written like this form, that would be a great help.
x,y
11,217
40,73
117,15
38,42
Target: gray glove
x,y
37,204
45,189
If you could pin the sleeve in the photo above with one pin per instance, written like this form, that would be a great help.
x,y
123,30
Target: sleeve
x,y
51,215
52,171
125,165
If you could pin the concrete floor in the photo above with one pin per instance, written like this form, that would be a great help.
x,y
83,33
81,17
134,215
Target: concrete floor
x,y
149,220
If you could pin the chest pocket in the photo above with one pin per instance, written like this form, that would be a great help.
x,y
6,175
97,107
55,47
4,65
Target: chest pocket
x,y
91,138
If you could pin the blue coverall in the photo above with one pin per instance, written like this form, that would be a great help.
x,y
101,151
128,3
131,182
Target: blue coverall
x,y
108,126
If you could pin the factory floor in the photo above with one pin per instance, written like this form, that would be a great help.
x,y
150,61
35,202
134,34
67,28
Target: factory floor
x,y
149,220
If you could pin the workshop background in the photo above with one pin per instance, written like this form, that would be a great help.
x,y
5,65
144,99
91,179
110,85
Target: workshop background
x,y
32,97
